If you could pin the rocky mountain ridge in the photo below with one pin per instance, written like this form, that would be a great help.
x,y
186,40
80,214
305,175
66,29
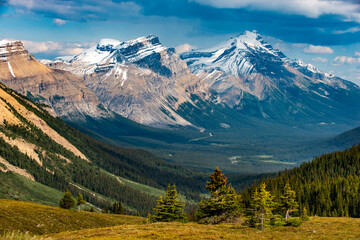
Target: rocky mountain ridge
x,y
64,92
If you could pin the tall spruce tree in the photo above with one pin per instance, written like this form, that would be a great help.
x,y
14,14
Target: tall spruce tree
x,y
288,201
169,208
223,202
79,201
68,201
262,206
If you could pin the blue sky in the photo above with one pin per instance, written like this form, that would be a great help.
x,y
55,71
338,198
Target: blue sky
x,y
325,33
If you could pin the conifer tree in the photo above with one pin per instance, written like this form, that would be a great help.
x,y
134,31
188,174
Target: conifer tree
x,y
169,208
288,201
217,181
68,201
304,215
118,208
79,201
223,202
263,204
106,209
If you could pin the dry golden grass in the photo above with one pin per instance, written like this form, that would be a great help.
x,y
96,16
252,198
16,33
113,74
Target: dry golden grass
x,y
41,219
67,224
317,228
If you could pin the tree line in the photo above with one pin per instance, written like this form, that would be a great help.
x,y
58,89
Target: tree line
x,y
327,186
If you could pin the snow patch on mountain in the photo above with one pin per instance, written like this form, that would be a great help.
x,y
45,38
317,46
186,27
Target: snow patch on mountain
x,y
11,70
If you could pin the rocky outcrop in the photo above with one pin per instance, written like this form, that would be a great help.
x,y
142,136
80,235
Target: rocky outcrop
x,y
66,93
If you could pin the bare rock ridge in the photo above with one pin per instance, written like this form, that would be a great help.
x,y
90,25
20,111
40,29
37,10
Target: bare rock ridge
x,y
66,93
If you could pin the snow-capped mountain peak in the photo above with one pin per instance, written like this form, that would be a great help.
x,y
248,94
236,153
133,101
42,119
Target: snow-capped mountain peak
x,y
109,52
8,47
235,56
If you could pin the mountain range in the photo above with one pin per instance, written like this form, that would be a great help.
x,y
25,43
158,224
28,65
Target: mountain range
x,y
146,82
225,104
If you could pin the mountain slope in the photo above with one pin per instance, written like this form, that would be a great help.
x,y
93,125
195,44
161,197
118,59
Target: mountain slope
x,y
40,219
248,75
139,79
63,91
31,145
351,137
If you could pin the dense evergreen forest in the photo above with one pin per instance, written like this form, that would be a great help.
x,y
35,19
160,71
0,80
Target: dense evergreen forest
x,y
327,186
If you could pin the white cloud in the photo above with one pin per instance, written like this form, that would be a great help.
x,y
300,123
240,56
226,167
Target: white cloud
x,y
309,8
312,49
320,60
350,30
346,60
59,21
40,47
57,48
184,48
357,54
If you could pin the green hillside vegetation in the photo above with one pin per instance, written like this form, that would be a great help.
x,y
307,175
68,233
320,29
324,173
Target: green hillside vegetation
x,y
88,178
328,186
14,186
40,219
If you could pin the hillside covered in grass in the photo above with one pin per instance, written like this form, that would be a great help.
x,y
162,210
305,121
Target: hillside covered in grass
x,y
57,223
40,219
316,228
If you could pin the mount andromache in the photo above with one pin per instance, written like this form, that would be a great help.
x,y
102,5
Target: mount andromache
x,y
146,82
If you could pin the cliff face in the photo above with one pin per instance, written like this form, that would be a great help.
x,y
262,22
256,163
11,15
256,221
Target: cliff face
x,y
66,93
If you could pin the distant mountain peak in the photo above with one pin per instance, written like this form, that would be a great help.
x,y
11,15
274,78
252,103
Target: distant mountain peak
x,y
234,56
7,41
10,47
